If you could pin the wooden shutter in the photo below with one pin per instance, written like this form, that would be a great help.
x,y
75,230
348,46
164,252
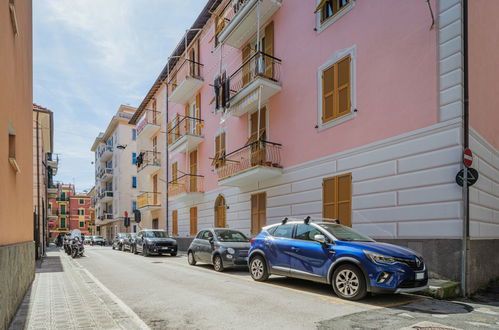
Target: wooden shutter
x,y
337,198
343,90
177,126
328,94
175,223
168,130
215,161
220,212
222,148
269,50
193,220
174,172
198,114
186,119
193,165
246,68
258,212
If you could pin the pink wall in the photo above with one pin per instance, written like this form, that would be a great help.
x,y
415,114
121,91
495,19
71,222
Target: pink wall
x,y
483,53
396,81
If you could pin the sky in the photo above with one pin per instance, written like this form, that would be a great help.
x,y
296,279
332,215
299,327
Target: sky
x,y
90,56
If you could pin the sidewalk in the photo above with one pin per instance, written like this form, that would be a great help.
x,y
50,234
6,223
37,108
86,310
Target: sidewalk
x,y
65,296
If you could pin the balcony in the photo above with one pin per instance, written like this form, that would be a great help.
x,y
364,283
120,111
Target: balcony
x,y
52,191
106,216
148,162
52,163
258,74
238,20
105,152
149,125
106,196
253,163
187,188
149,201
184,134
186,81
106,174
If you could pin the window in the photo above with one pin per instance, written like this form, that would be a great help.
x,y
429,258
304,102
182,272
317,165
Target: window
x,y
258,212
81,211
134,182
63,223
155,143
306,232
206,235
193,220
174,172
193,168
63,209
336,90
155,223
175,223
134,158
12,150
134,134
81,201
329,8
134,205
337,198
82,224
285,231
220,151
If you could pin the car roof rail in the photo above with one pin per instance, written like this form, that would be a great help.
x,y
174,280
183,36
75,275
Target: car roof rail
x,y
284,220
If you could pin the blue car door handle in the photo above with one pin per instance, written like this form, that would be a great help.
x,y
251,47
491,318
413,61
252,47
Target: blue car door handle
x,y
295,249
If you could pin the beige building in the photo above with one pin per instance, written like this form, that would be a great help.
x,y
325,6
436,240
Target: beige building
x,y
115,174
17,252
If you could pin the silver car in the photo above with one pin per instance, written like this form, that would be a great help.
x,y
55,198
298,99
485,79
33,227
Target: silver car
x,y
220,247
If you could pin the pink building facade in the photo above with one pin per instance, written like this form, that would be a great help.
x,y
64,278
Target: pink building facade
x,y
347,109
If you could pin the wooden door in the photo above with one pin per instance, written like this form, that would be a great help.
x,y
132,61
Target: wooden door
x,y
269,50
193,220
246,67
337,199
193,167
155,189
197,115
258,212
257,135
175,223
220,212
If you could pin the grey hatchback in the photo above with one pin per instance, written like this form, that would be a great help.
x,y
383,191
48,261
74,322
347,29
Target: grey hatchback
x,y
220,247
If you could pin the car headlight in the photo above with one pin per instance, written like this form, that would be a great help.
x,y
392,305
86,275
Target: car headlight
x,y
379,258
231,251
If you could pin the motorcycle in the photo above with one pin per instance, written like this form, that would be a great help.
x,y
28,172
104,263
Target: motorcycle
x,y
77,248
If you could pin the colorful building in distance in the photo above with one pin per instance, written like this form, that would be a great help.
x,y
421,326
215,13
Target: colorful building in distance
x,y
79,213
352,110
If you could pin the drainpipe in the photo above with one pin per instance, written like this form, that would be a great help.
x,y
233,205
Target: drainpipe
x,y
167,152
37,227
466,210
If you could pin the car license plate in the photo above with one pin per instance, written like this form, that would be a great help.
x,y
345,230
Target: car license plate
x,y
419,276
165,248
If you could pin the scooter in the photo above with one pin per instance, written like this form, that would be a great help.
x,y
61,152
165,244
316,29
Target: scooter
x,y
77,247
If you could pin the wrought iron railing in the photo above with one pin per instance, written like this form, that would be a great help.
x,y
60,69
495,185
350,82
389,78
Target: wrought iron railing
x,y
186,68
150,117
258,153
105,194
183,125
148,199
105,148
259,65
105,171
187,183
148,158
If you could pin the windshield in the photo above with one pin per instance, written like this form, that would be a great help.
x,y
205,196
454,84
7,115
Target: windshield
x,y
155,234
343,233
98,237
230,236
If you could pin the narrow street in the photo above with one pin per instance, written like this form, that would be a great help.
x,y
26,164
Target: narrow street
x,y
167,293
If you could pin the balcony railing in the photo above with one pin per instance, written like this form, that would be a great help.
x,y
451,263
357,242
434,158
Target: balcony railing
x,y
149,199
259,65
103,149
106,216
148,159
184,125
151,117
105,172
105,194
63,199
188,68
187,183
258,153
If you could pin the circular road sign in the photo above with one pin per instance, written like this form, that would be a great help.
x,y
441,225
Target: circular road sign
x,y
472,177
467,157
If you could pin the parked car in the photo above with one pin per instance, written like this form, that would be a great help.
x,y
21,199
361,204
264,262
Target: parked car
x,y
87,240
154,241
129,242
326,252
98,240
118,241
220,247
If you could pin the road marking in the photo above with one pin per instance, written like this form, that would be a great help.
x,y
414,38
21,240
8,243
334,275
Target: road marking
x,y
141,324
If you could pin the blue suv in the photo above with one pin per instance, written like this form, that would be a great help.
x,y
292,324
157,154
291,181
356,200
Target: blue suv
x,y
327,252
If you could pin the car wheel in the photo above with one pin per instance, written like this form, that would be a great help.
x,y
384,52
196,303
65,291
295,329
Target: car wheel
x,y
120,247
258,269
135,249
349,283
145,253
190,258
173,254
113,246
218,263
74,253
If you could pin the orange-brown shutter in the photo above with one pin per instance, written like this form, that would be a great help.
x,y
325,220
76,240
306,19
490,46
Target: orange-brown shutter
x,y
186,119
193,164
193,220
254,214
198,114
174,172
216,157
269,50
343,90
258,212
246,68
168,130
222,149
175,223
328,198
177,126
337,198
328,94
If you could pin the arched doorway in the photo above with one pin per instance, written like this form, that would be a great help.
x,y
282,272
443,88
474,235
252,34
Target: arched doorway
x,y
220,212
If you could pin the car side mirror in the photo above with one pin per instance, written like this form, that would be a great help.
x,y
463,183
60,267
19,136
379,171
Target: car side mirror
x,y
210,239
320,238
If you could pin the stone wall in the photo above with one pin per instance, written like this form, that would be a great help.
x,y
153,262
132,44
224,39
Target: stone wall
x,y
483,262
17,270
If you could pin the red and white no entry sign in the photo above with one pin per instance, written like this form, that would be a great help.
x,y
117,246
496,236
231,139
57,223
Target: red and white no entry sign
x,y
467,157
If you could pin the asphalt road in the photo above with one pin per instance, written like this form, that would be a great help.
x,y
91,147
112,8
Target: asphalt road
x,y
167,293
